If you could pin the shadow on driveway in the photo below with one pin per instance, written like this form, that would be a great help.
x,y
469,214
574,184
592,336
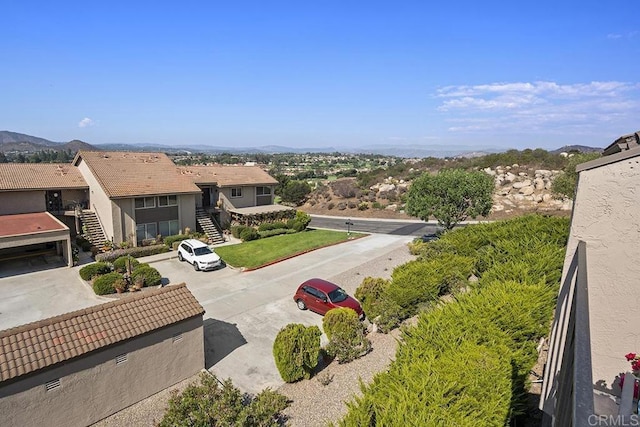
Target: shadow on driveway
x,y
21,266
220,339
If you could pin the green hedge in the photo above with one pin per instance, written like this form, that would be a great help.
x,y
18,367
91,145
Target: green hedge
x,y
169,240
136,252
249,234
95,269
423,281
276,232
377,305
120,264
266,226
296,350
151,276
211,402
103,285
466,362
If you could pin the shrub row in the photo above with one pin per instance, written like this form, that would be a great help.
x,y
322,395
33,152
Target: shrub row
x,y
275,232
466,362
136,252
211,402
169,240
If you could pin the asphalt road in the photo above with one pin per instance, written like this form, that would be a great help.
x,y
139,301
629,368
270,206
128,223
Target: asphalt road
x,y
380,226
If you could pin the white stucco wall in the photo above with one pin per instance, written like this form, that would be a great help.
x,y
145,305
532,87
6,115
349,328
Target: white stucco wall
x,y
606,216
98,200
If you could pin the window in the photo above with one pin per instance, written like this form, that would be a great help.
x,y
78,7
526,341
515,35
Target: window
x,y
145,202
52,385
263,191
120,359
146,231
236,192
171,200
168,228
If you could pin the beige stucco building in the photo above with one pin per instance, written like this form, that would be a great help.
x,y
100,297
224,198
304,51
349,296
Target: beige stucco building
x,y
596,321
135,196
78,368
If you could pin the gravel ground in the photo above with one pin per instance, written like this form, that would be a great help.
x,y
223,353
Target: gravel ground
x,y
314,404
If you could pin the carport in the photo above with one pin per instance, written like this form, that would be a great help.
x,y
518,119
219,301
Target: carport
x,y
21,231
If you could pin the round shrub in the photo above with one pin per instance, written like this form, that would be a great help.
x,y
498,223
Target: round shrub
x,y
236,230
379,308
151,276
103,285
370,292
249,234
120,264
346,335
95,269
296,350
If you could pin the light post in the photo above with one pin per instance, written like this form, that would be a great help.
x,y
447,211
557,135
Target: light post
x,y
349,224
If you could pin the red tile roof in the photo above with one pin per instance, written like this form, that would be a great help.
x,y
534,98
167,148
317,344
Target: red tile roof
x,y
130,174
37,345
227,176
30,223
39,176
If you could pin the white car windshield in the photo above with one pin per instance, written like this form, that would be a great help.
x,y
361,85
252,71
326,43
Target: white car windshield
x,y
202,251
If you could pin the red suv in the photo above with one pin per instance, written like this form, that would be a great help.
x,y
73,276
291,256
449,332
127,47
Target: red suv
x,y
321,296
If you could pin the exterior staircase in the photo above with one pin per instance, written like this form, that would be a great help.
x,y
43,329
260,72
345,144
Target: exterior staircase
x,y
93,229
206,223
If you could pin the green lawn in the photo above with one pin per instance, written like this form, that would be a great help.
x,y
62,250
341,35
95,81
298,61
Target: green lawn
x,y
263,251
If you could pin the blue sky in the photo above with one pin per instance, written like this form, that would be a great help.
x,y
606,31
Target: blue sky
x,y
326,73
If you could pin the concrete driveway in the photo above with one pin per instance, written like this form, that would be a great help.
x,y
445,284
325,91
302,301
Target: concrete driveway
x,y
27,297
245,310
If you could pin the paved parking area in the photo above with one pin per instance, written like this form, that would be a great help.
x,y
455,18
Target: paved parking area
x,y
244,310
52,289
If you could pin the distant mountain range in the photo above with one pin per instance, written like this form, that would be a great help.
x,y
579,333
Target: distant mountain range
x,y
21,143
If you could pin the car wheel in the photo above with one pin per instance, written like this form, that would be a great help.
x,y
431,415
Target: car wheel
x,y
301,305
180,257
195,266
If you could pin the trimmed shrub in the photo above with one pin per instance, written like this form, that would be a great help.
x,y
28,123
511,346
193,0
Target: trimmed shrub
x,y
423,281
266,226
136,252
236,230
120,264
303,218
249,234
103,285
95,269
169,240
295,350
346,335
379,308
151,276
213,403
276,232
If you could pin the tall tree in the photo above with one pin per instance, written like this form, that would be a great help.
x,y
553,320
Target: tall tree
x,y
451,196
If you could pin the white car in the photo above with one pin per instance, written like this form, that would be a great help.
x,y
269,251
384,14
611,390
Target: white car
x,y
199,254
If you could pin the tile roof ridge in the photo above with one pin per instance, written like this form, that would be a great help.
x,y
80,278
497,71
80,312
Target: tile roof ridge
x,y
94,308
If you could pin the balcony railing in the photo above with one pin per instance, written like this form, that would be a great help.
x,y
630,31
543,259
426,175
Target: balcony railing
x,y
568,394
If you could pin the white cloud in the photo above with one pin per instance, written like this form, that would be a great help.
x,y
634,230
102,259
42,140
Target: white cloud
x,y
541,106
86,122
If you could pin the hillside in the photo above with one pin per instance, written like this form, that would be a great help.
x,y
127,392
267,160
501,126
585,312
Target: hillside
x,y
15,137
14,142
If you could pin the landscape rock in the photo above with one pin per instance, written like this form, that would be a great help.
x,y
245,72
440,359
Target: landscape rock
x,y
527,191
